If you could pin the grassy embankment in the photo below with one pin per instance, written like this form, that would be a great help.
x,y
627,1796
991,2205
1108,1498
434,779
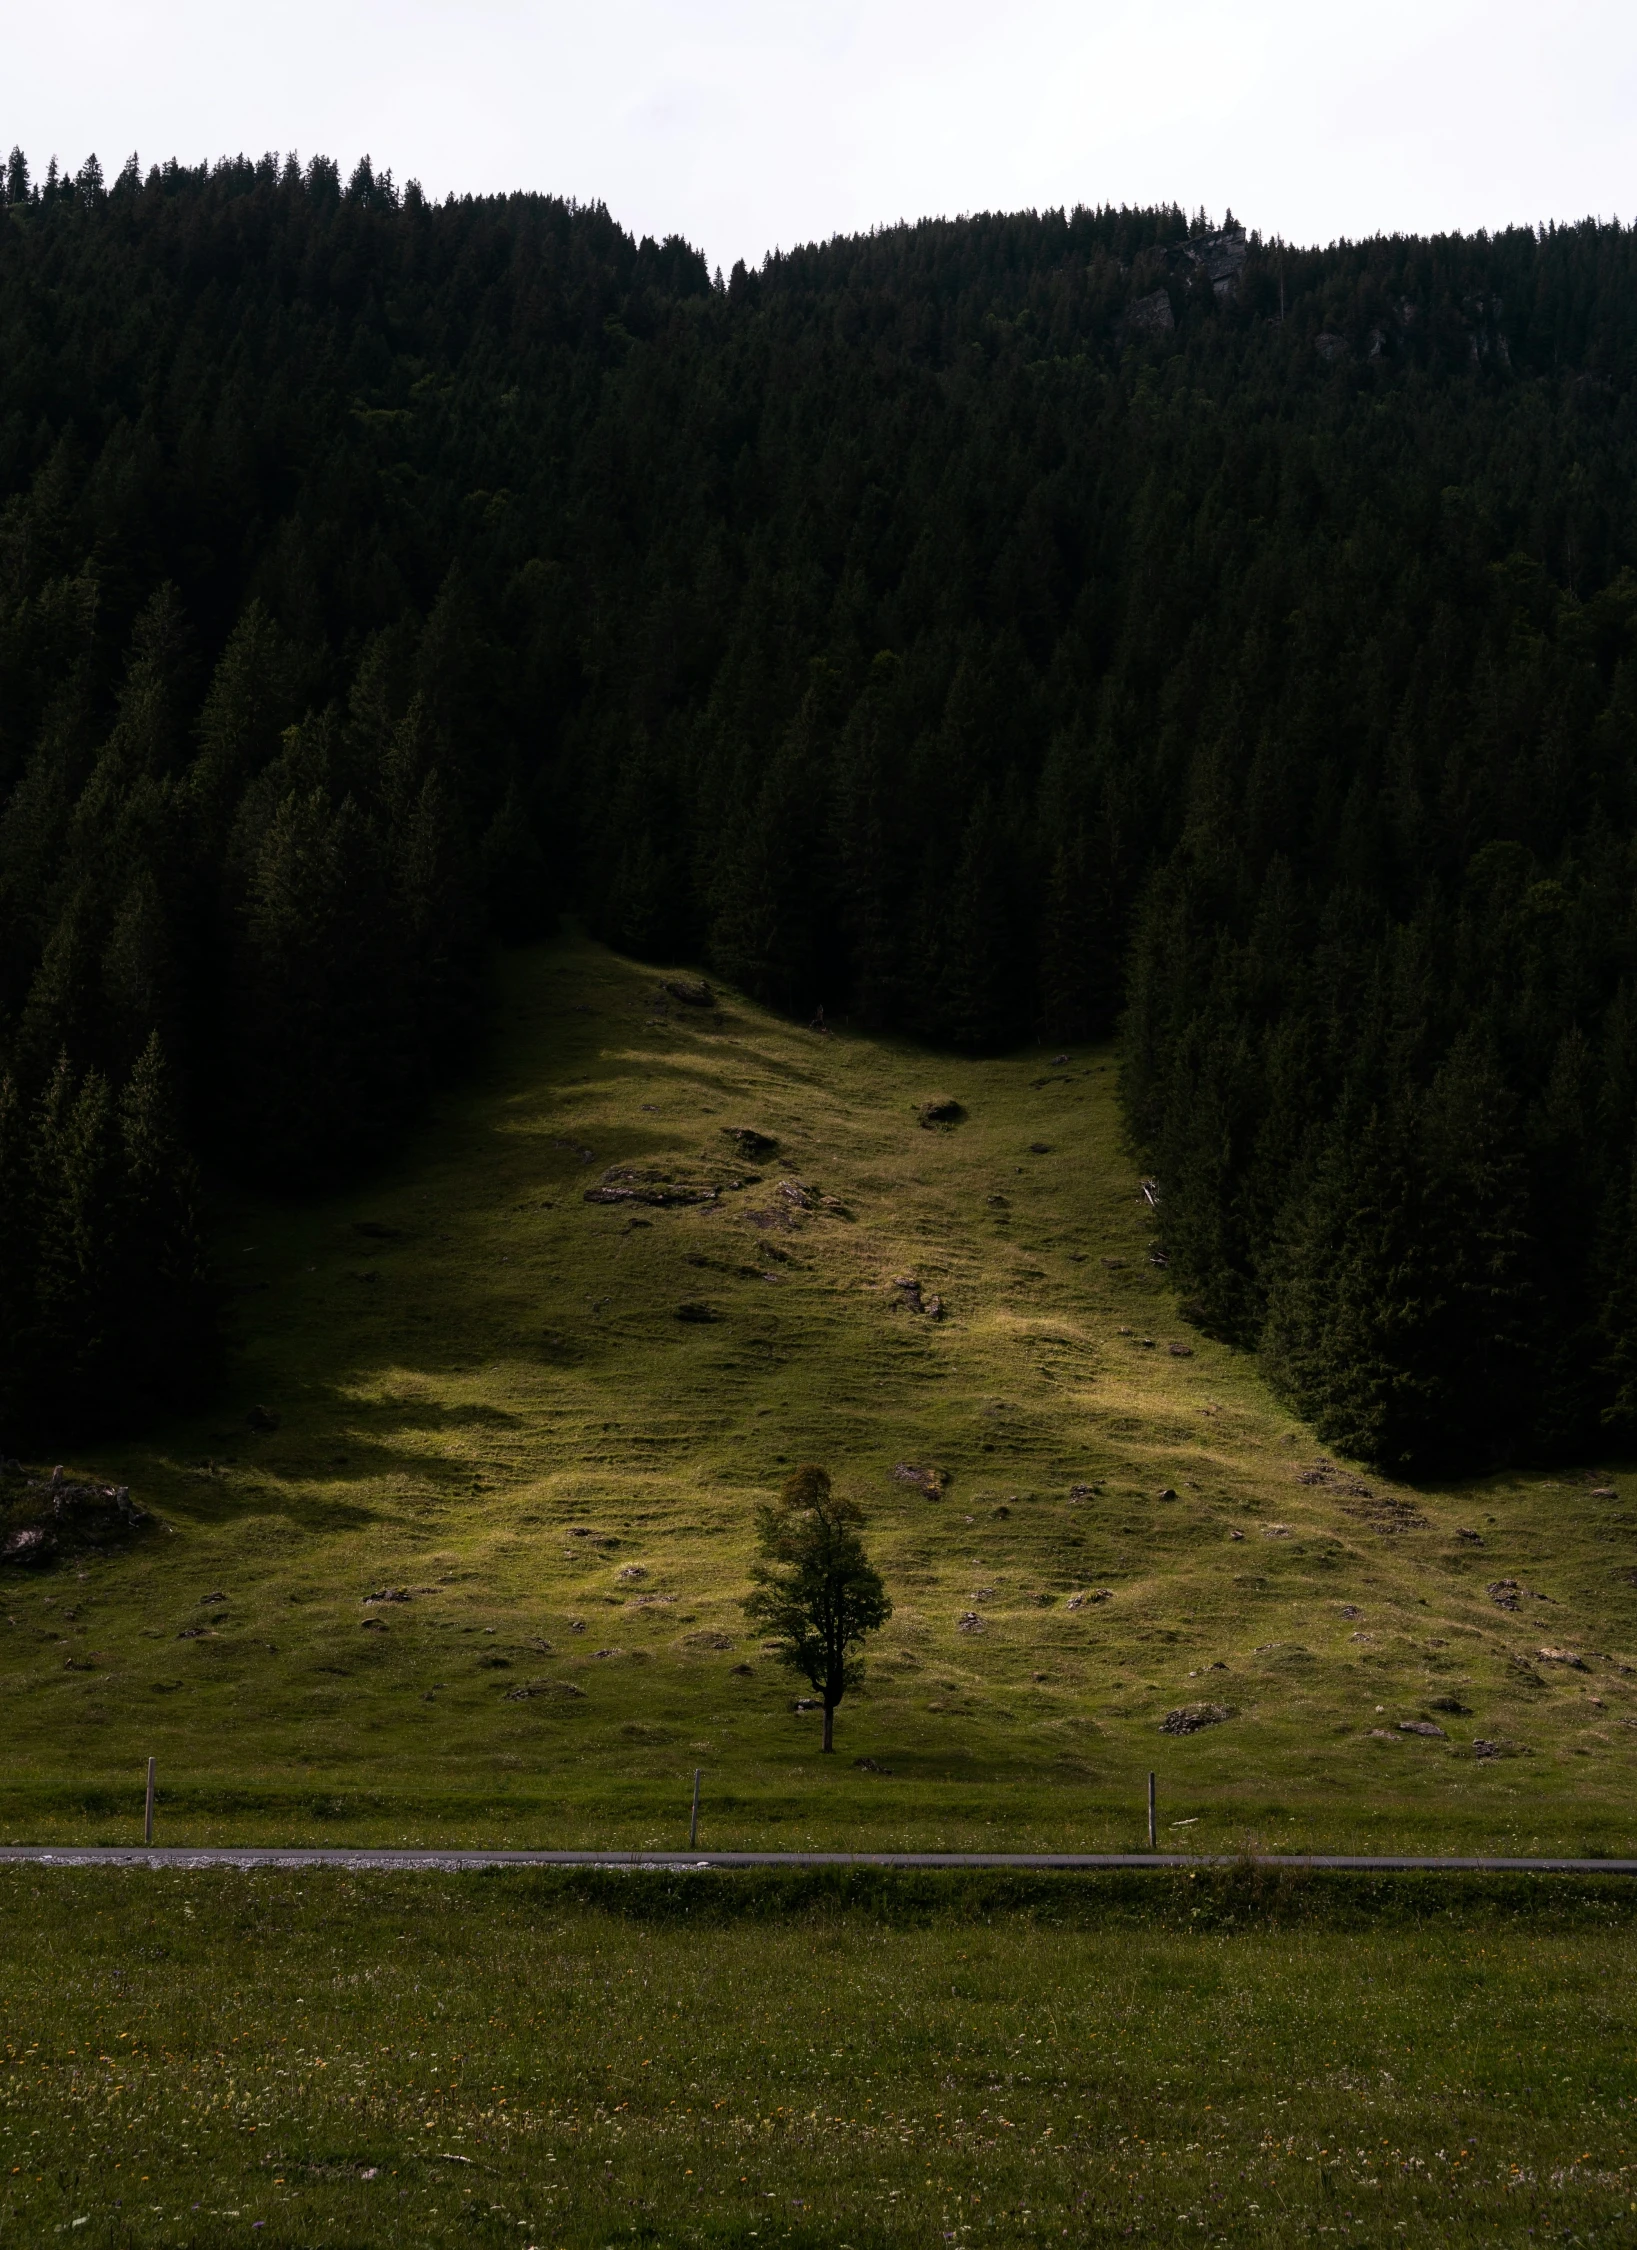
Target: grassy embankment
x,y
294,2060
483,1393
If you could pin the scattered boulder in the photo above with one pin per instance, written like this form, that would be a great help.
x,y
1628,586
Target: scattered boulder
x,y
381,1594
1421,1726
933,1482
869,1765
807,1703
693,992
694,1310
944,1111
1096,1594
1351,1609
494,1662
796,1193
1563,1656
28,1547
51,1517
750,1143
1168,1493
741,1671
630,1183
529,1688
1505,1593
1604,1492
969,1622
629,1573
1452,1705
1040,1148
1193,1718
1180,1351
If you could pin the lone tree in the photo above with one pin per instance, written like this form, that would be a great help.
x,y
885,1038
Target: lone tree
x,y
817,1591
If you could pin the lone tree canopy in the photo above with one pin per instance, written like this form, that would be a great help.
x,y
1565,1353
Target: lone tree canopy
x,y
817,1592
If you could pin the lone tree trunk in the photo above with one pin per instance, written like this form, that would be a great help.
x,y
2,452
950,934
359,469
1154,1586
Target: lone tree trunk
x,y
829,1725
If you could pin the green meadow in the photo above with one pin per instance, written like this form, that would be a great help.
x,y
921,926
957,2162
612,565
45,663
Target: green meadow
x,y
323,2058
544,1421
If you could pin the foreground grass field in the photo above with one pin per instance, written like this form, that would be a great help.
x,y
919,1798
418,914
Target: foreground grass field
x,y
544,1421
329,2059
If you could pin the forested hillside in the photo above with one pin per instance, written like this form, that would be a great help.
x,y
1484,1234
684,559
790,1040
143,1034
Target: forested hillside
x,y
984,629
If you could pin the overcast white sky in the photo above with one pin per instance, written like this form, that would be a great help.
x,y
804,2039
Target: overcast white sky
x,y
750,124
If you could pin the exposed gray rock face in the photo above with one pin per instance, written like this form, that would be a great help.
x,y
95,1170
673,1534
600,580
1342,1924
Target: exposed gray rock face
x,y
1220,257
1151,315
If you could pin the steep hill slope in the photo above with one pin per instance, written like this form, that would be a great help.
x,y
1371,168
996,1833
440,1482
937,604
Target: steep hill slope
x,y
486,1395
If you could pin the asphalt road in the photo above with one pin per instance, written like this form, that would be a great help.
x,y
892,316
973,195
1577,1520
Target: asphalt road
x,y
453,1863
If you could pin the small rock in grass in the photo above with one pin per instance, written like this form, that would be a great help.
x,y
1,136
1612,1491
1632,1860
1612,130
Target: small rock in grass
x,y
1180,1351
1504,1593
868,1765
943,1111
1563,1656
1192,1718
969,1622
1421,1726
741,1671
750,1143
1169,1492
1472,1538
694,1310
630,1572
1351,1609
693,992
1451,1704
1040,1148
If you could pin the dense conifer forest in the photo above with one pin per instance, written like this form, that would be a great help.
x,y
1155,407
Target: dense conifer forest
x,y
1006,628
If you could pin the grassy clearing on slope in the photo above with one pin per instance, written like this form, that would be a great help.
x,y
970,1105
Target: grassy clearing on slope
x,y
299,2059
484,1395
